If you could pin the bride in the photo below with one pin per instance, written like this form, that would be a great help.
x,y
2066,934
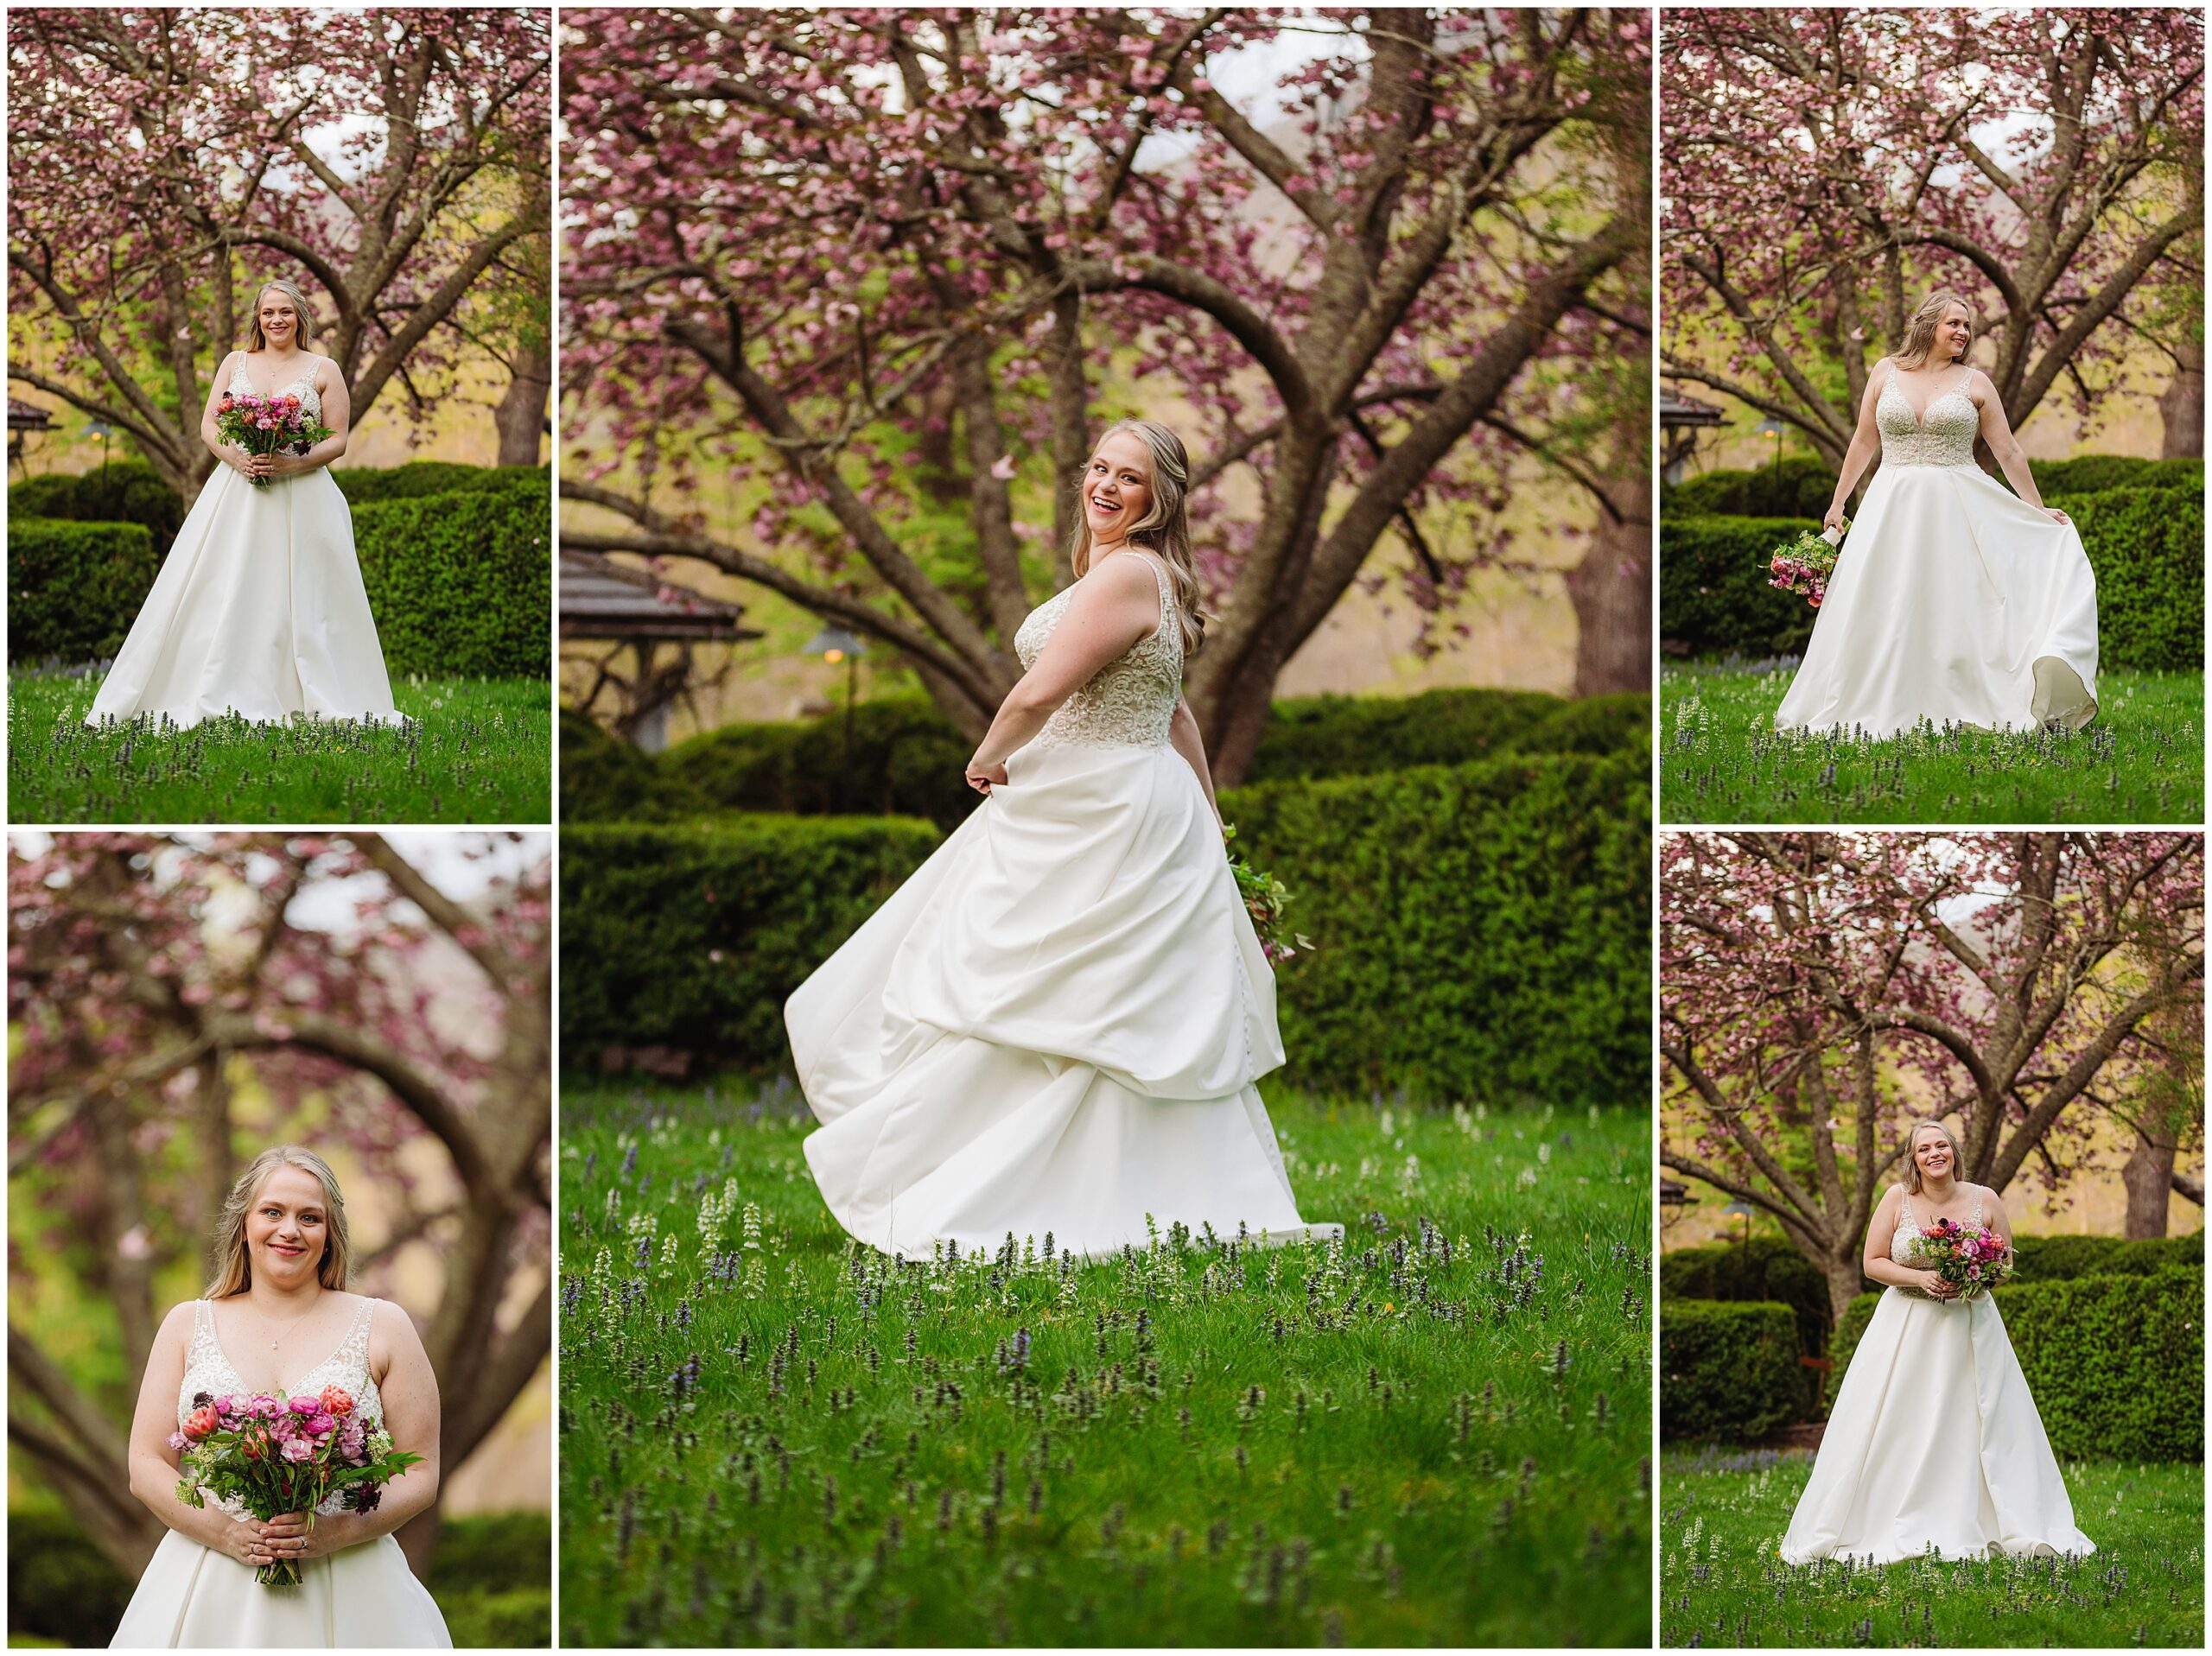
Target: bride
x,y
1952,601
259,607
1933,1441
1053,1028
277,1319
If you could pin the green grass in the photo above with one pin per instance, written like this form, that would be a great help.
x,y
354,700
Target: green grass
x,y
776,1436
480,751
1721,760
1720,1583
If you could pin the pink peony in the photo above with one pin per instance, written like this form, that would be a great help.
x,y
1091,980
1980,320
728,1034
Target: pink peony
x,y
178,1440
299,1449
307,1405
321,1426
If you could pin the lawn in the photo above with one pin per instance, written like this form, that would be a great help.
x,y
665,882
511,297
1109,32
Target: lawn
x,y
1721,760
1435,1434
1720,1583
482,750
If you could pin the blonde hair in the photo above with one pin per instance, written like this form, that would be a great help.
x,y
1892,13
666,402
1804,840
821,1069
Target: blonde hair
x,y
255,339
233,1268
1920,327
1164,531
1913,1161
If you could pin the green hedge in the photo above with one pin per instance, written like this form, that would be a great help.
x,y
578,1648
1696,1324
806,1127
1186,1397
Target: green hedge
x,y
604,779
690,936
2114,1363
1483,927
907,758
2060,1258
122,492
1801,486
1765,1268
412,481
74,588
2089,473
461,585
1729,1371
1715,599
491,1576
2146,546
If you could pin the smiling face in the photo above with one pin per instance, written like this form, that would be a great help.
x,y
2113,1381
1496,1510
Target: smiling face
x,y
287,1227
279,318
1117,487
1953,333
1932,1154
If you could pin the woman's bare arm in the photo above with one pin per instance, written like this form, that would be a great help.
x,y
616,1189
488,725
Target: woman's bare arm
x,y
1114,605
1997,432
1877,1264
154,1464
1866,438
237,459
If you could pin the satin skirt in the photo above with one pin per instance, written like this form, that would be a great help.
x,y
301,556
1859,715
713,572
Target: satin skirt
x,y
362,1597
1954,601
1054,1026
1933,1441
258,610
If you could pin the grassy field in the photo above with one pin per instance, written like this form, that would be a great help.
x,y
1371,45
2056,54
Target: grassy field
x,y
1436,1434
1720,1583
1721,760
480,751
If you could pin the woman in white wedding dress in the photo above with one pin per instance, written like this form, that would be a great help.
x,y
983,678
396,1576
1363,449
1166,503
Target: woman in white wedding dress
x,y
1055,1026
259,608
277,1319
1953,601
1933,1441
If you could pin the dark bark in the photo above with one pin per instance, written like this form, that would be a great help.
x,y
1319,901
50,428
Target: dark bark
x,y
520,413
2148,1175
2181,405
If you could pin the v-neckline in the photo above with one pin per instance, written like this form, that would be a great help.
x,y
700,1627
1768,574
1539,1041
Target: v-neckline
x,y
1919,419
215,1333
247,372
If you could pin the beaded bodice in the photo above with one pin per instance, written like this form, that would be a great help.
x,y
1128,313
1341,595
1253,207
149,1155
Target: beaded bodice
x,y
1941,435
310,399
208,1369
1904,1240
1131,699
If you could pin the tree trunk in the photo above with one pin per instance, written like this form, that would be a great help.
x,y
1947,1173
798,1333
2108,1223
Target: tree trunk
x,y
1845,1280
520,415
1611,590
2182,404
2149,1178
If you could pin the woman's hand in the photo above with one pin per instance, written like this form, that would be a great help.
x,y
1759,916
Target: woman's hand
x,y
1932,1285
290,1536
2058,515
254,1543
984,778
248,464
287,466
1834,519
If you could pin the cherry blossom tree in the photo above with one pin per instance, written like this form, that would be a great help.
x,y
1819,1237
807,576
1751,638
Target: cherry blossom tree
x,y
163,163
1819,991
876,271
1820,169
162,992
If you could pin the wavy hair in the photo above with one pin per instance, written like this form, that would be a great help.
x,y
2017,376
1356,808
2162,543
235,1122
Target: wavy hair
x,y
233,1272
1164,531
1920,327
256,340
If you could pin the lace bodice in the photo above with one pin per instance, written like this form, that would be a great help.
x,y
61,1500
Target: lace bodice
x,y
208,1369
1904,1240
1131,699
310,399
1943,436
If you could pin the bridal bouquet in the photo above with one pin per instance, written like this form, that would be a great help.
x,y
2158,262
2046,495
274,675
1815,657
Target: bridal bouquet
x,y
1805,564
267,425
276,1454
1265,898
1971,1259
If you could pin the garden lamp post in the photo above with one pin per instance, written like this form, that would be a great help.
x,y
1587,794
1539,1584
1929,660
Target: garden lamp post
x,y
101,429
1744,1209
835,645
1771,427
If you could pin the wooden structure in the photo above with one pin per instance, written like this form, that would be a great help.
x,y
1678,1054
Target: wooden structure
x,y
654,625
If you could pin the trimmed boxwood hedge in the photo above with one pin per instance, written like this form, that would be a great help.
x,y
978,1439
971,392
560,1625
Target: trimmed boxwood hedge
x,y
461,584
1728,1369
74,588
688,936
1761,1268
1484,928
2059,1259
2115,1363
1715,599
2088,473
2147,546
907,756
122,492
416,479
615,779
1801,486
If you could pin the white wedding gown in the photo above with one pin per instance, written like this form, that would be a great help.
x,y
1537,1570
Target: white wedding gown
x,y
1933,1441
258,608
1953,600
359,1598
1055,1025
